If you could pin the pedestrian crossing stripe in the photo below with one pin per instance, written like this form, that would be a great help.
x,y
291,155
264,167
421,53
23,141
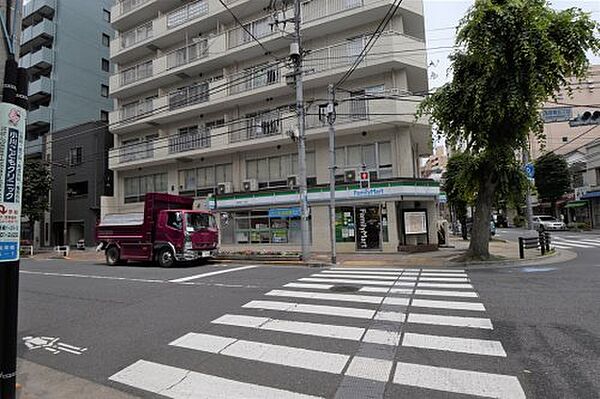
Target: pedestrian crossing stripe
x,y
368,324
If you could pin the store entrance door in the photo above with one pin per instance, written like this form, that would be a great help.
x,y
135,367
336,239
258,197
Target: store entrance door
x,y
368,228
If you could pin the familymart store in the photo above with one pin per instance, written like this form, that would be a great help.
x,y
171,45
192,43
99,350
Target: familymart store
x,y
387,217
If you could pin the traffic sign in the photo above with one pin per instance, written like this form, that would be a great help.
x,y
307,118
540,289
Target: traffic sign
x,y
12,150
530,170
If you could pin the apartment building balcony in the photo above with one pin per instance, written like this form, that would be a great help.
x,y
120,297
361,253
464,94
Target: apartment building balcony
x,y
36,10
41,34
39,118
39,60
125,14
34,147
40,89
203,97
235,44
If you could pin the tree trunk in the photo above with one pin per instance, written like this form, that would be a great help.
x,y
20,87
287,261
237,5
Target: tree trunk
x,y
480,233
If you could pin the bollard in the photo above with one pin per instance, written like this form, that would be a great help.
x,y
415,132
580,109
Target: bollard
x,y
521,251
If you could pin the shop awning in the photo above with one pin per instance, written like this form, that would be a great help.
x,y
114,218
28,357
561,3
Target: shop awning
x,y
591,194
576,204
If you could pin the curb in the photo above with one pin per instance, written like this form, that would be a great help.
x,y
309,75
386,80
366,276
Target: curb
x,y
557,257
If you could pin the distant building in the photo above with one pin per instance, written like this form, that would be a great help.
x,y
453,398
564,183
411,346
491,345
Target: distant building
x,y
563,137
65,49
85,176
435,166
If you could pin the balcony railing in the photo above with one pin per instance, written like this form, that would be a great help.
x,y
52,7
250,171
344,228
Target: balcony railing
x,y
138,72
254,79
136,35
187,54
190,95
259,28
190,141
263,125
186,13
129,5
335,56
315,9
136,151
132,112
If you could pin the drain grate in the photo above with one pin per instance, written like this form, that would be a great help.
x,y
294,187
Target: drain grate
x,y
344,288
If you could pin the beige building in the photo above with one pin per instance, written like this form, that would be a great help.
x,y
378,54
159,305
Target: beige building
x,y
435,165
561,136
202,111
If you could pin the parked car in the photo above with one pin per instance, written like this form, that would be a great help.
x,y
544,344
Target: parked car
x,y
543,222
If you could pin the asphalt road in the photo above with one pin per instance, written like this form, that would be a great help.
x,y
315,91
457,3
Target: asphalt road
x,y
267,331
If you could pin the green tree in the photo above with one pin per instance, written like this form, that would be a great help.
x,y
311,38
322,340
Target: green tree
x,y
37,182
458,188
552,178
512,55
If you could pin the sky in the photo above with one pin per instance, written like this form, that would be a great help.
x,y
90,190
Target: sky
x,y
441,16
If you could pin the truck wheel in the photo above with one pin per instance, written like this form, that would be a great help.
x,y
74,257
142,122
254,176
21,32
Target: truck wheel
x,y
113,256
165,258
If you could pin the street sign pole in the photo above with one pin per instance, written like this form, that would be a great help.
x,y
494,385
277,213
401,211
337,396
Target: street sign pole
x,y
12,150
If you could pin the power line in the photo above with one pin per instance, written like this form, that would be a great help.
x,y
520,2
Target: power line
x,y
382,25
576,137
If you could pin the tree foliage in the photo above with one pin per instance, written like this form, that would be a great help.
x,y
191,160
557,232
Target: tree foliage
x,y
37,182
512,56
552,177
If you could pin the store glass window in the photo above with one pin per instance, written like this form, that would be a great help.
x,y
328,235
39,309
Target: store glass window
x,y
261,227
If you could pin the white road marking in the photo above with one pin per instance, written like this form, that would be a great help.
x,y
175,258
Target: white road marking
x,y
396,301
310,286
382,337
375,269
392,278
346,281
177,383
459,381
91,276
327,297
425,303
465,294
197,276
366,273
444,285
371,369
293,327
428,274
456,321
397,317
312,309
275,354
453,344
404,291
590,241
576,244
443,270
560,246
446,279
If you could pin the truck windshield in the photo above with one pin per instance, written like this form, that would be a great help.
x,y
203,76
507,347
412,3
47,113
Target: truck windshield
x,y
199,221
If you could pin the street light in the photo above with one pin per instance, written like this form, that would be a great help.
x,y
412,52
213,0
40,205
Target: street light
x,y
65,227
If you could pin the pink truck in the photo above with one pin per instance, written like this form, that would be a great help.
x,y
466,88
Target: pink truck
x,y
169,231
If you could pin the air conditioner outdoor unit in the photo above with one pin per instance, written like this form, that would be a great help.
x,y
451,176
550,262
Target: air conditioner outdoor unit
x,y
224,188
350,176
250,185
292,181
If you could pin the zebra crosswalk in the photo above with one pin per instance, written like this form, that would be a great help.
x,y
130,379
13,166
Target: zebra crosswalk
x,y
575,242
342,333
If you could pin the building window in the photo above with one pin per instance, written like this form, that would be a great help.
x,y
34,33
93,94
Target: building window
x,y
104,91
106,15
375,157
77,190
200,181
105,65
274,171
565,139
75,156
104,116
261,227
137,187
105,40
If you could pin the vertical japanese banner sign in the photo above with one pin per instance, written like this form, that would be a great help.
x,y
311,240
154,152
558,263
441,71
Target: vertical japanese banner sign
x,y
12,149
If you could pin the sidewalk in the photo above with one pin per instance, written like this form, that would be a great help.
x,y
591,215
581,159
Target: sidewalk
x,y
504,252
40,382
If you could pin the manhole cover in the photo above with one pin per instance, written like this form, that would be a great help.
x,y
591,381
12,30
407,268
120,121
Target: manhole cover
x,y
344,288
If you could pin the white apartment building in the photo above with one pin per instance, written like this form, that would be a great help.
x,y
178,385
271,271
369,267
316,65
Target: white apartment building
x,y
202,110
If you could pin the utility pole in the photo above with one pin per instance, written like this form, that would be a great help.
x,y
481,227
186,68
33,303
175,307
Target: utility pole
x,y
296,56
13,114
332,169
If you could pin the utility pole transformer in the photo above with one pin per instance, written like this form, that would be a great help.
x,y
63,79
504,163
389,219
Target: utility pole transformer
x,y
332,170
296,57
